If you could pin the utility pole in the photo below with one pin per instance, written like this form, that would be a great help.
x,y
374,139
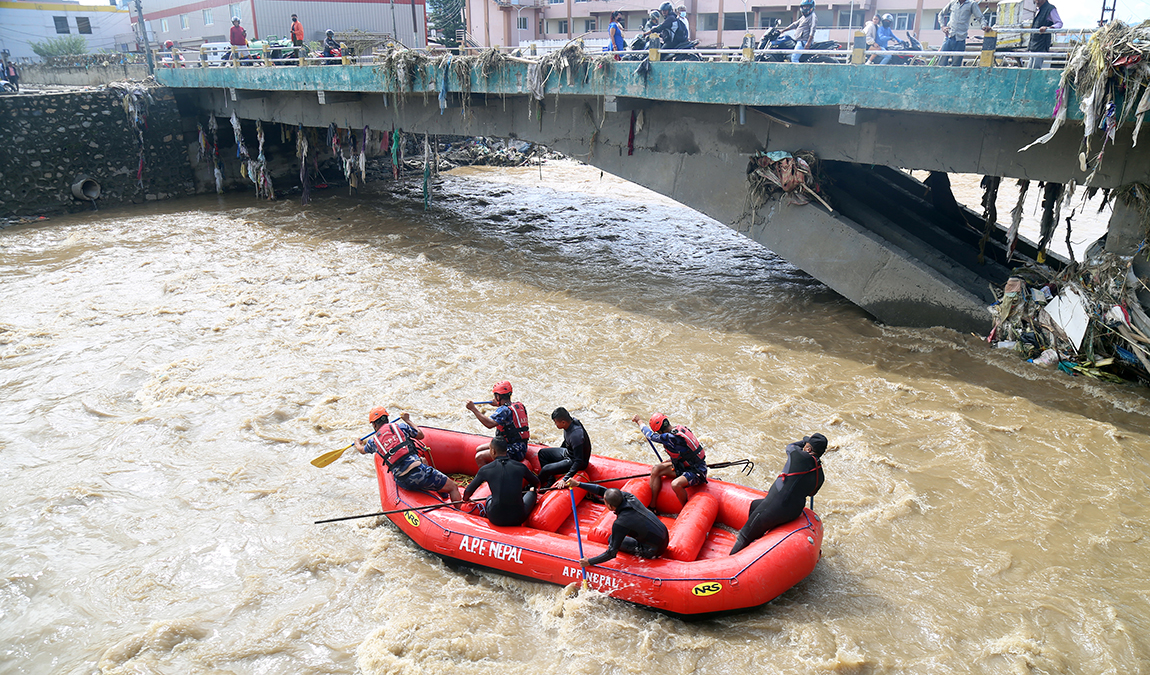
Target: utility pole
x,y
1107,6
144,31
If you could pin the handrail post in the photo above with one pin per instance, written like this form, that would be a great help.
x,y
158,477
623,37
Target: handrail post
x,y
343,57
989,43
858,53
749,47
653,48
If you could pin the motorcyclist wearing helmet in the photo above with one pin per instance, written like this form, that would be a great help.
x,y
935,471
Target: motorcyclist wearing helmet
x,y
673,30
806,25
885,38
509,421
687,461
330,46
956,18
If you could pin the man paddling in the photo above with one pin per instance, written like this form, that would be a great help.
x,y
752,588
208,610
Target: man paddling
x,y
802,477
509,421
395,443
687,461
572,456
636,530
508,504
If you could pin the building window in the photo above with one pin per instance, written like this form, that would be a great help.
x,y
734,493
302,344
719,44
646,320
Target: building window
x,y
83,25
847,20
562,26
904,21
735,21
234,9
589,25
208,17
542,27
164,25
61,24
766,20
522,23
708,22
556,2
183,22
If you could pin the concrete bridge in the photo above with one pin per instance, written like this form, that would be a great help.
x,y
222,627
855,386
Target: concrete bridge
x,y
689,129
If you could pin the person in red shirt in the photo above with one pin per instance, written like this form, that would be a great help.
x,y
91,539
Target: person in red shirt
x,y
296,32
238,37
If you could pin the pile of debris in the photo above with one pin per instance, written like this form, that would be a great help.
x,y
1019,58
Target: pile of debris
x,y
1089,319
492,152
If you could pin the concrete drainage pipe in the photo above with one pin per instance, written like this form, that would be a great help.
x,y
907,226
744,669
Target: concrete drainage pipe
x,y
86,189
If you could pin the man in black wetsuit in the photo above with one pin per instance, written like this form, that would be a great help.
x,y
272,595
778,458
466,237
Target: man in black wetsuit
x,y
636,530
508,504
802,477
572,456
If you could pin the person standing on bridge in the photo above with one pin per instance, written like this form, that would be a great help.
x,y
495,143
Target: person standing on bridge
x,y
806,24
1045,17
296,32
615,33
636,530
238,37
956,18
802,477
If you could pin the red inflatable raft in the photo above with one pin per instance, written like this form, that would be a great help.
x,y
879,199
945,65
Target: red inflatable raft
x,y
695,577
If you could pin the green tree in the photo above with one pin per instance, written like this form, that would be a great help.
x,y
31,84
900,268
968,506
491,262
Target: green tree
x,y
71,45
446,15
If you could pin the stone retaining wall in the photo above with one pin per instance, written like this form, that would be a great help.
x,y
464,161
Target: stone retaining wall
x,y
51,139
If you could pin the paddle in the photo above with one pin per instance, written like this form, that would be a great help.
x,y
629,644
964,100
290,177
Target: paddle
x,y
578,538
429,507
748,467
636,421
329,457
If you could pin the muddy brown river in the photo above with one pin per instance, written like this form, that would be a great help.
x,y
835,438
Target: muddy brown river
x,y
169,372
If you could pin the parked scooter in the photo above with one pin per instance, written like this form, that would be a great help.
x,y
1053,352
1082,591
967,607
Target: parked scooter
x,y
774,40
6,86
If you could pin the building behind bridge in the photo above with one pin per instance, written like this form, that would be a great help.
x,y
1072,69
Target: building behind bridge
x,y
719,23
190,24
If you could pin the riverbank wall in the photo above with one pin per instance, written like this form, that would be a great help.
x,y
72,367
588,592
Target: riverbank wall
x,y
93,75
55,140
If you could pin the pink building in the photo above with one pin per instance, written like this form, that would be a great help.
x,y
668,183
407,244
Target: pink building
x,y
721,23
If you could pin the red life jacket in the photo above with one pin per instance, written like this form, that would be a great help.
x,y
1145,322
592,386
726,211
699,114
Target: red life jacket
x,y
392,444
700,455
517,431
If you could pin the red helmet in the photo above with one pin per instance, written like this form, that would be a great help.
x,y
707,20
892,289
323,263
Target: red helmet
x,y
503,387
657,421
169,44
376,413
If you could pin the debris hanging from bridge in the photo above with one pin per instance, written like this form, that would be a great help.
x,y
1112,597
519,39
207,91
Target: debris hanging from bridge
x,y
1112,68
794,178
1089,319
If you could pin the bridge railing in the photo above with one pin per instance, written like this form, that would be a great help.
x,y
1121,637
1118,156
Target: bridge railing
x,y
987,56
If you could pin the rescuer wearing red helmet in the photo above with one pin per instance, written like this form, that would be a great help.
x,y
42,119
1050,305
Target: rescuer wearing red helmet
x,y
395,443
509,421
687,461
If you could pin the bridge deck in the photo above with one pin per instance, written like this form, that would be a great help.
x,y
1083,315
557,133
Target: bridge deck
x,y
1017,93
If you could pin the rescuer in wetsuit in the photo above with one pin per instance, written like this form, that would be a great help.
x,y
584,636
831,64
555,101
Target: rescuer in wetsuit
x,y
802,477
636,530
508,504
572,456
687,461
401,459
509,421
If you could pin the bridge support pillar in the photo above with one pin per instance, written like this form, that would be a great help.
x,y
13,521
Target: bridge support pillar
x,y
1127,229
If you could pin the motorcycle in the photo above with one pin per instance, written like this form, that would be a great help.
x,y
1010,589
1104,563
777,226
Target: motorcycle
x,y
774,40
6,86
910,44
641,43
